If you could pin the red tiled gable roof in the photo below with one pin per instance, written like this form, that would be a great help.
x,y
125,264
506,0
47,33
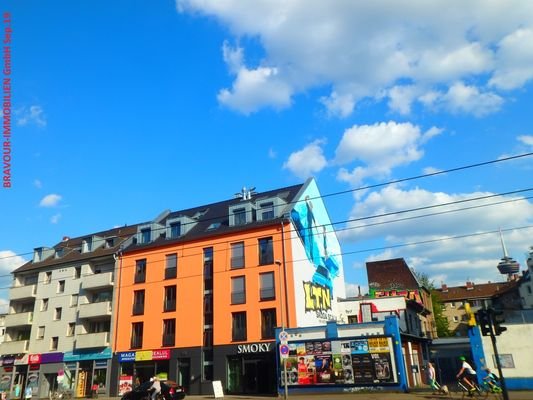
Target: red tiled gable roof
x,y
479,291
390,274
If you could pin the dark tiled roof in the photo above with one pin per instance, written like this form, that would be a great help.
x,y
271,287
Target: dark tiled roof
x,y
206,215
71,249
478,291
391,274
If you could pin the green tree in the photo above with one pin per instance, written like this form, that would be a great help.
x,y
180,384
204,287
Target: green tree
x,y
443,328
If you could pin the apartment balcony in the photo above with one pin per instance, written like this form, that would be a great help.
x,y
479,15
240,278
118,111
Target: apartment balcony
x,y
15,347
97,281
95,310
25,292
19,319
91,340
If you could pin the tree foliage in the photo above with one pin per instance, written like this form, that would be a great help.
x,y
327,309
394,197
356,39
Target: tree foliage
x,y
442,325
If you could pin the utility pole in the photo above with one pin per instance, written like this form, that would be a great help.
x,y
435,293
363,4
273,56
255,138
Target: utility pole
x,y
489,321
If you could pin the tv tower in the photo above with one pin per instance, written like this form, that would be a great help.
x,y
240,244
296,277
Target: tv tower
x,y
507,265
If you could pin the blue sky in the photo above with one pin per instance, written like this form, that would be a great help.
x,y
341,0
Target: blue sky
x,y
124,109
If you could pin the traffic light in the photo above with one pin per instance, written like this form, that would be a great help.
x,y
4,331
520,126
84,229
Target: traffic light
x,y
470,315
497,319
483,320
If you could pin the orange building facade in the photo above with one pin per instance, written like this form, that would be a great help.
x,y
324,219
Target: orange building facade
x,y
200,292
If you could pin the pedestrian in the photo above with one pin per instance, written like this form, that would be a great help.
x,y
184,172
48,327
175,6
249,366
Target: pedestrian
x,y
94,389
432,377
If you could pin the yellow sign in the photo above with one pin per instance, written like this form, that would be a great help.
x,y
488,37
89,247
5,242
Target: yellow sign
x,y
143,355
378,345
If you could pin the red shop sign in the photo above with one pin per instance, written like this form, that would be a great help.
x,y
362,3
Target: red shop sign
x,y
34,359
160,354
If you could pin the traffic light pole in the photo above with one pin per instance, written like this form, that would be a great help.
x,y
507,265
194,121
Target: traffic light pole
x,y
497,356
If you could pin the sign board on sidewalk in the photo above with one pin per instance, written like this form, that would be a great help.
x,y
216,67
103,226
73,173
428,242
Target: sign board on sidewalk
x,y
217,390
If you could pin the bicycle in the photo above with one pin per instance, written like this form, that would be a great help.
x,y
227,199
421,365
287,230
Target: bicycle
x,y
463,388
492,388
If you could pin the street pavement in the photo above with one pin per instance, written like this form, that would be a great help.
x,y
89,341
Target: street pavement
x,y
416,395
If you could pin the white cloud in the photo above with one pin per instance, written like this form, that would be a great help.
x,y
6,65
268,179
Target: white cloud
x,y
433,249
55,218
338,105
50,200
381,147
253,88
526,139
308,161
360,50
33,115
461,98
515,60
9,261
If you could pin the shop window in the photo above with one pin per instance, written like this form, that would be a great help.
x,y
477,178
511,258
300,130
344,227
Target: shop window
x,y
169,332
171,266
268,323
238,290
140,271
237,255
138,302
238,326
170,298
266,251
136,335
266,286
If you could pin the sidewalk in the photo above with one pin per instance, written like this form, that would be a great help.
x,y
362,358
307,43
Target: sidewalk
x,y
417,395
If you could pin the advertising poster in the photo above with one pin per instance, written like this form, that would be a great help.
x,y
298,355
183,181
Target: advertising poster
x,y
382,367
125,384
359,346
365,361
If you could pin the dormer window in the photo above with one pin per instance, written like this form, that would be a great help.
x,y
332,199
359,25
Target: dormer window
x,y
175,229
266,210
145,235
239,216
109,242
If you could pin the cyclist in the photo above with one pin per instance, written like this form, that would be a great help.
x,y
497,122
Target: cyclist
x,y
468,375
492,381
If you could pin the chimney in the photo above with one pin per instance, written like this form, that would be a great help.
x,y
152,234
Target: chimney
x,y
469,285
65,238
444,288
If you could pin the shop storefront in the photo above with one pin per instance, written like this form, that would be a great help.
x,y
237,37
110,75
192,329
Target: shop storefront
x,y
136,367
14,376
247,368
87,369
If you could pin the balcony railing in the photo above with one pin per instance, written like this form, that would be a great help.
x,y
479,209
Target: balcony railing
x,y
91,340
19,319
97,281
15,347
93,310
23,292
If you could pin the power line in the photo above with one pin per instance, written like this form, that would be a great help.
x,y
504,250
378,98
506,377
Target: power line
x,y
375,186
